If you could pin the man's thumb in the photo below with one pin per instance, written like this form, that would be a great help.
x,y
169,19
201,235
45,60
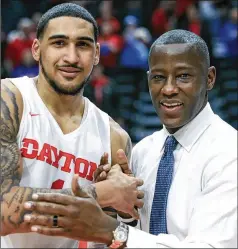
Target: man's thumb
x,y
123,161
76,188
121,157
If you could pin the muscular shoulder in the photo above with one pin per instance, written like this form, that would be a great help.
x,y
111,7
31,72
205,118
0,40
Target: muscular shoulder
x,y
119,140
11,105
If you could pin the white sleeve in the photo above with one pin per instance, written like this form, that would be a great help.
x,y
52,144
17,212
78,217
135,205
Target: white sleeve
x,y
213,223
140,239
133,164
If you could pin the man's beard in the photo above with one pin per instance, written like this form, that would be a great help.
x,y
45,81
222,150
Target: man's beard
x,y
70,91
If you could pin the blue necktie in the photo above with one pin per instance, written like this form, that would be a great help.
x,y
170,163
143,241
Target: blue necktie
x,y
158,223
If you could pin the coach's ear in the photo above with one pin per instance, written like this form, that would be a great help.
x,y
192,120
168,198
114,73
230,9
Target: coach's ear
x,y
211,77
35,49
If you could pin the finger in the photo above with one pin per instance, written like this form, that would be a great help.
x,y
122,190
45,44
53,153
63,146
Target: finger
x,y
139,203
122,161
97,172
140,194
104,158
48,231
45,220
77,190
54,198
103,176
139,182
134,213
47,208
106,167
130,174
116,167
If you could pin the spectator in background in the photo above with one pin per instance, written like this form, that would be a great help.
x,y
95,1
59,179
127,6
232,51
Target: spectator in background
x,y
224,31
130,25
134,63
134,8
208,10
194,23
28,66
135,51
105,10
163,17
110,47
4,73
36,18
19,40
102,91
182,6
188,18
233,35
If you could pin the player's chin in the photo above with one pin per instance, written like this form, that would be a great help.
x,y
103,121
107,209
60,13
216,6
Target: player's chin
x,y
69,89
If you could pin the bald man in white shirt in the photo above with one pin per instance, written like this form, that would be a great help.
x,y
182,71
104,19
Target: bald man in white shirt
x,y
199,174
202,200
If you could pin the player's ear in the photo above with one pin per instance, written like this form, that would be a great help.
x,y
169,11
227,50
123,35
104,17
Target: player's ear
x,y
97,54
35,49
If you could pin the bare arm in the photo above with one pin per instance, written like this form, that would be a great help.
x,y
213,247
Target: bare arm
x,y
12,196
119,140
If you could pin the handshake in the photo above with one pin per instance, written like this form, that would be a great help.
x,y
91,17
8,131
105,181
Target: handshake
x,y
122,192
80,216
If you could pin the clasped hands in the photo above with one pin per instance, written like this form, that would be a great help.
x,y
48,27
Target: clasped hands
x,y
80,216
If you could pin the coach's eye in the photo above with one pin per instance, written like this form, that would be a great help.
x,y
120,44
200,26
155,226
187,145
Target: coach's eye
x,y
157,77
184,76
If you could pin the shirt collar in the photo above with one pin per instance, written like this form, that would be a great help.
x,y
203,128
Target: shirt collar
x,y
189,134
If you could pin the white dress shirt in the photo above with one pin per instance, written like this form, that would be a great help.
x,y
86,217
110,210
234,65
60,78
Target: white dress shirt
x,y
202,202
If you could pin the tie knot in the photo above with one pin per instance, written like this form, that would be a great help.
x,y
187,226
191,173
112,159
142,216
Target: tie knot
x,y
170,143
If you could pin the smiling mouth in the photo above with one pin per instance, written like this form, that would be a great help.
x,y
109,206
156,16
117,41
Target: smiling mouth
x,y
69,70
69,73
171,105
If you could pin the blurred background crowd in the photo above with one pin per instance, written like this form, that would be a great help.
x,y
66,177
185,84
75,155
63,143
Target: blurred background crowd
x,y
118,85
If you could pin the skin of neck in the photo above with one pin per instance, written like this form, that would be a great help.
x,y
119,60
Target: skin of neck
x,y
60,104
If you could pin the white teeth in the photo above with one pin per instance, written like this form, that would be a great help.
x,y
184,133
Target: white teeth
x,y
171,105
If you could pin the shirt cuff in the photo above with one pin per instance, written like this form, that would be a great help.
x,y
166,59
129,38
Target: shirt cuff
x,y
140,239
128,220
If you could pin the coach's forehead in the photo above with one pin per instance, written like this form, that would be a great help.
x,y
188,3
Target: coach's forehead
x,y
174,49
176,52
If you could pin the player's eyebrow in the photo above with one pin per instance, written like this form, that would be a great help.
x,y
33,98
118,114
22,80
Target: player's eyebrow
x,y
81,38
